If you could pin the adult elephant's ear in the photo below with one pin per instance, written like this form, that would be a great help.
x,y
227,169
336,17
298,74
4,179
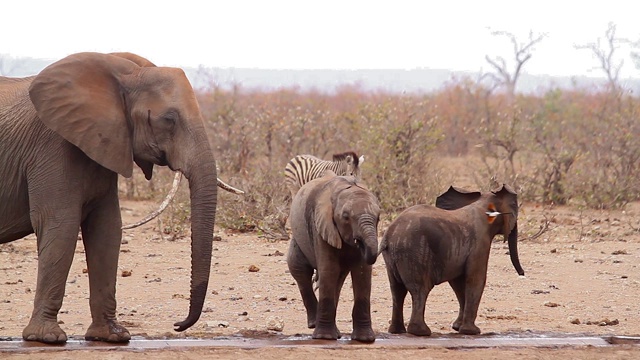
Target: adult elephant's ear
x,y
455,198
80,98
146,166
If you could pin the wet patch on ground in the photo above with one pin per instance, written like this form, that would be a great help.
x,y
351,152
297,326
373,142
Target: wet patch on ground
x,y
449,341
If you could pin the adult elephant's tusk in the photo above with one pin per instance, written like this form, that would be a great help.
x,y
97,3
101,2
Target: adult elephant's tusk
x,y
229,188
172,193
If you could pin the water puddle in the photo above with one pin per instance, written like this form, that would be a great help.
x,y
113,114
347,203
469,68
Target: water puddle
x,y
450,341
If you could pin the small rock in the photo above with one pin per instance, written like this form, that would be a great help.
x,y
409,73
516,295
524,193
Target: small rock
x,y
551,304
217,238
578,260
540,291
620,252
553,251
126,273
84,271
253,268
275,323
282,298
603,322
574,321
216,324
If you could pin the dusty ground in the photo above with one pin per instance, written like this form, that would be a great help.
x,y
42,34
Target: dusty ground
x,y
581,278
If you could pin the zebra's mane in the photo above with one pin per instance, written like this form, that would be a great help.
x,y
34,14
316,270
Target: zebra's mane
x,y
343,156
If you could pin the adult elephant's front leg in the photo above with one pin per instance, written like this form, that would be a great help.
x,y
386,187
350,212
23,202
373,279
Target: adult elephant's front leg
x,y
57,233
102,236
361,313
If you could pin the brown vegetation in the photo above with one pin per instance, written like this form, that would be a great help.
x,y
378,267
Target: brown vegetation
x,y
576,146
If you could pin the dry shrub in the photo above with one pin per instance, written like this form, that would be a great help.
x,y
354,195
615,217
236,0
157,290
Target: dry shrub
x,y
578,146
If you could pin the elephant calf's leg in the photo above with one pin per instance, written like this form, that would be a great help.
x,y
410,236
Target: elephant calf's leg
x,y
473,293
398,294
302,273
361,314
458,286
417,326
102,236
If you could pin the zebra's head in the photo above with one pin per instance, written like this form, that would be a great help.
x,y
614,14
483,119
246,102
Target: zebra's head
x,y
352,162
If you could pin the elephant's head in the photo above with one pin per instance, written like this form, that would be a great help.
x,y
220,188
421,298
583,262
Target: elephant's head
x,y
120,109
500,207
348,213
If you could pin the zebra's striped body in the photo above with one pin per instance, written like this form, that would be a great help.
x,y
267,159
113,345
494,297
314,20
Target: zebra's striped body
x,y
304,168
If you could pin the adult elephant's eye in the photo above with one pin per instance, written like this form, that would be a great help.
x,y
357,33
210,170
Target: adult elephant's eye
x,y
170,118
345,215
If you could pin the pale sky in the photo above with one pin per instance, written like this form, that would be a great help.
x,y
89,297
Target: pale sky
x,y
327,34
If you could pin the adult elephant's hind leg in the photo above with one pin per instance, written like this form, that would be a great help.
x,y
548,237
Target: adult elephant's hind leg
x,y
102,235
57,233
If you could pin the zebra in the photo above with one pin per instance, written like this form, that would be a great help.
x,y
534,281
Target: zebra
x,y
304,168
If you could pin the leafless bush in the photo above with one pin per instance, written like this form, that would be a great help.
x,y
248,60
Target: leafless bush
x,y
562,147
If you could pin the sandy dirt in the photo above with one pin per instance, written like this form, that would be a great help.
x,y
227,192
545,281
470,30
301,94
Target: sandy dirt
x,y
581,278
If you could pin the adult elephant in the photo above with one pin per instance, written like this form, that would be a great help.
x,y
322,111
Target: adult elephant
x,y
65,135
334,224
426,245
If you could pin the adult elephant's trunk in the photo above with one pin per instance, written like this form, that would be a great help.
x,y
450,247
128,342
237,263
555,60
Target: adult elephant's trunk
x,y
201,174
513,248
369,245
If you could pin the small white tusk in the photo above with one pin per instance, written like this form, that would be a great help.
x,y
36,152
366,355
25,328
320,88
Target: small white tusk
x,y
493,213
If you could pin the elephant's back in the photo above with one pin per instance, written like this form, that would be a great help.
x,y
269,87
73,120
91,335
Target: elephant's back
x,y
423,224
12,90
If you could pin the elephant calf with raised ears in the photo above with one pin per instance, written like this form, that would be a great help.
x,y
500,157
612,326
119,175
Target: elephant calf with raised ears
x,y
65,135
334,222
426,245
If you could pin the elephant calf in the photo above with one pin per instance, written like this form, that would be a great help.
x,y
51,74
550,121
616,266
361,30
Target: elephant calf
x,y
334,223
428,245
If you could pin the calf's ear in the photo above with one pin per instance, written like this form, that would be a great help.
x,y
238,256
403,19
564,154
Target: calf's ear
x,y
455,198
325,226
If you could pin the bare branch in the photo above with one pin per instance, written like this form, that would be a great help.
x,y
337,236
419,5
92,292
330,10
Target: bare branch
x,y
522,54
605,54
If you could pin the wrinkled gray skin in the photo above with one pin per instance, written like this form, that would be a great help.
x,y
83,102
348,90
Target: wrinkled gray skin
x,y
428,245
65,135
334,223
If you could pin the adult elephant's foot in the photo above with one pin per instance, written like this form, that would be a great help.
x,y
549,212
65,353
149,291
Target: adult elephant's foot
x,y
397,328
327,333
311,321
469,329
110,331
363,335
418,329
456,324
44,331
